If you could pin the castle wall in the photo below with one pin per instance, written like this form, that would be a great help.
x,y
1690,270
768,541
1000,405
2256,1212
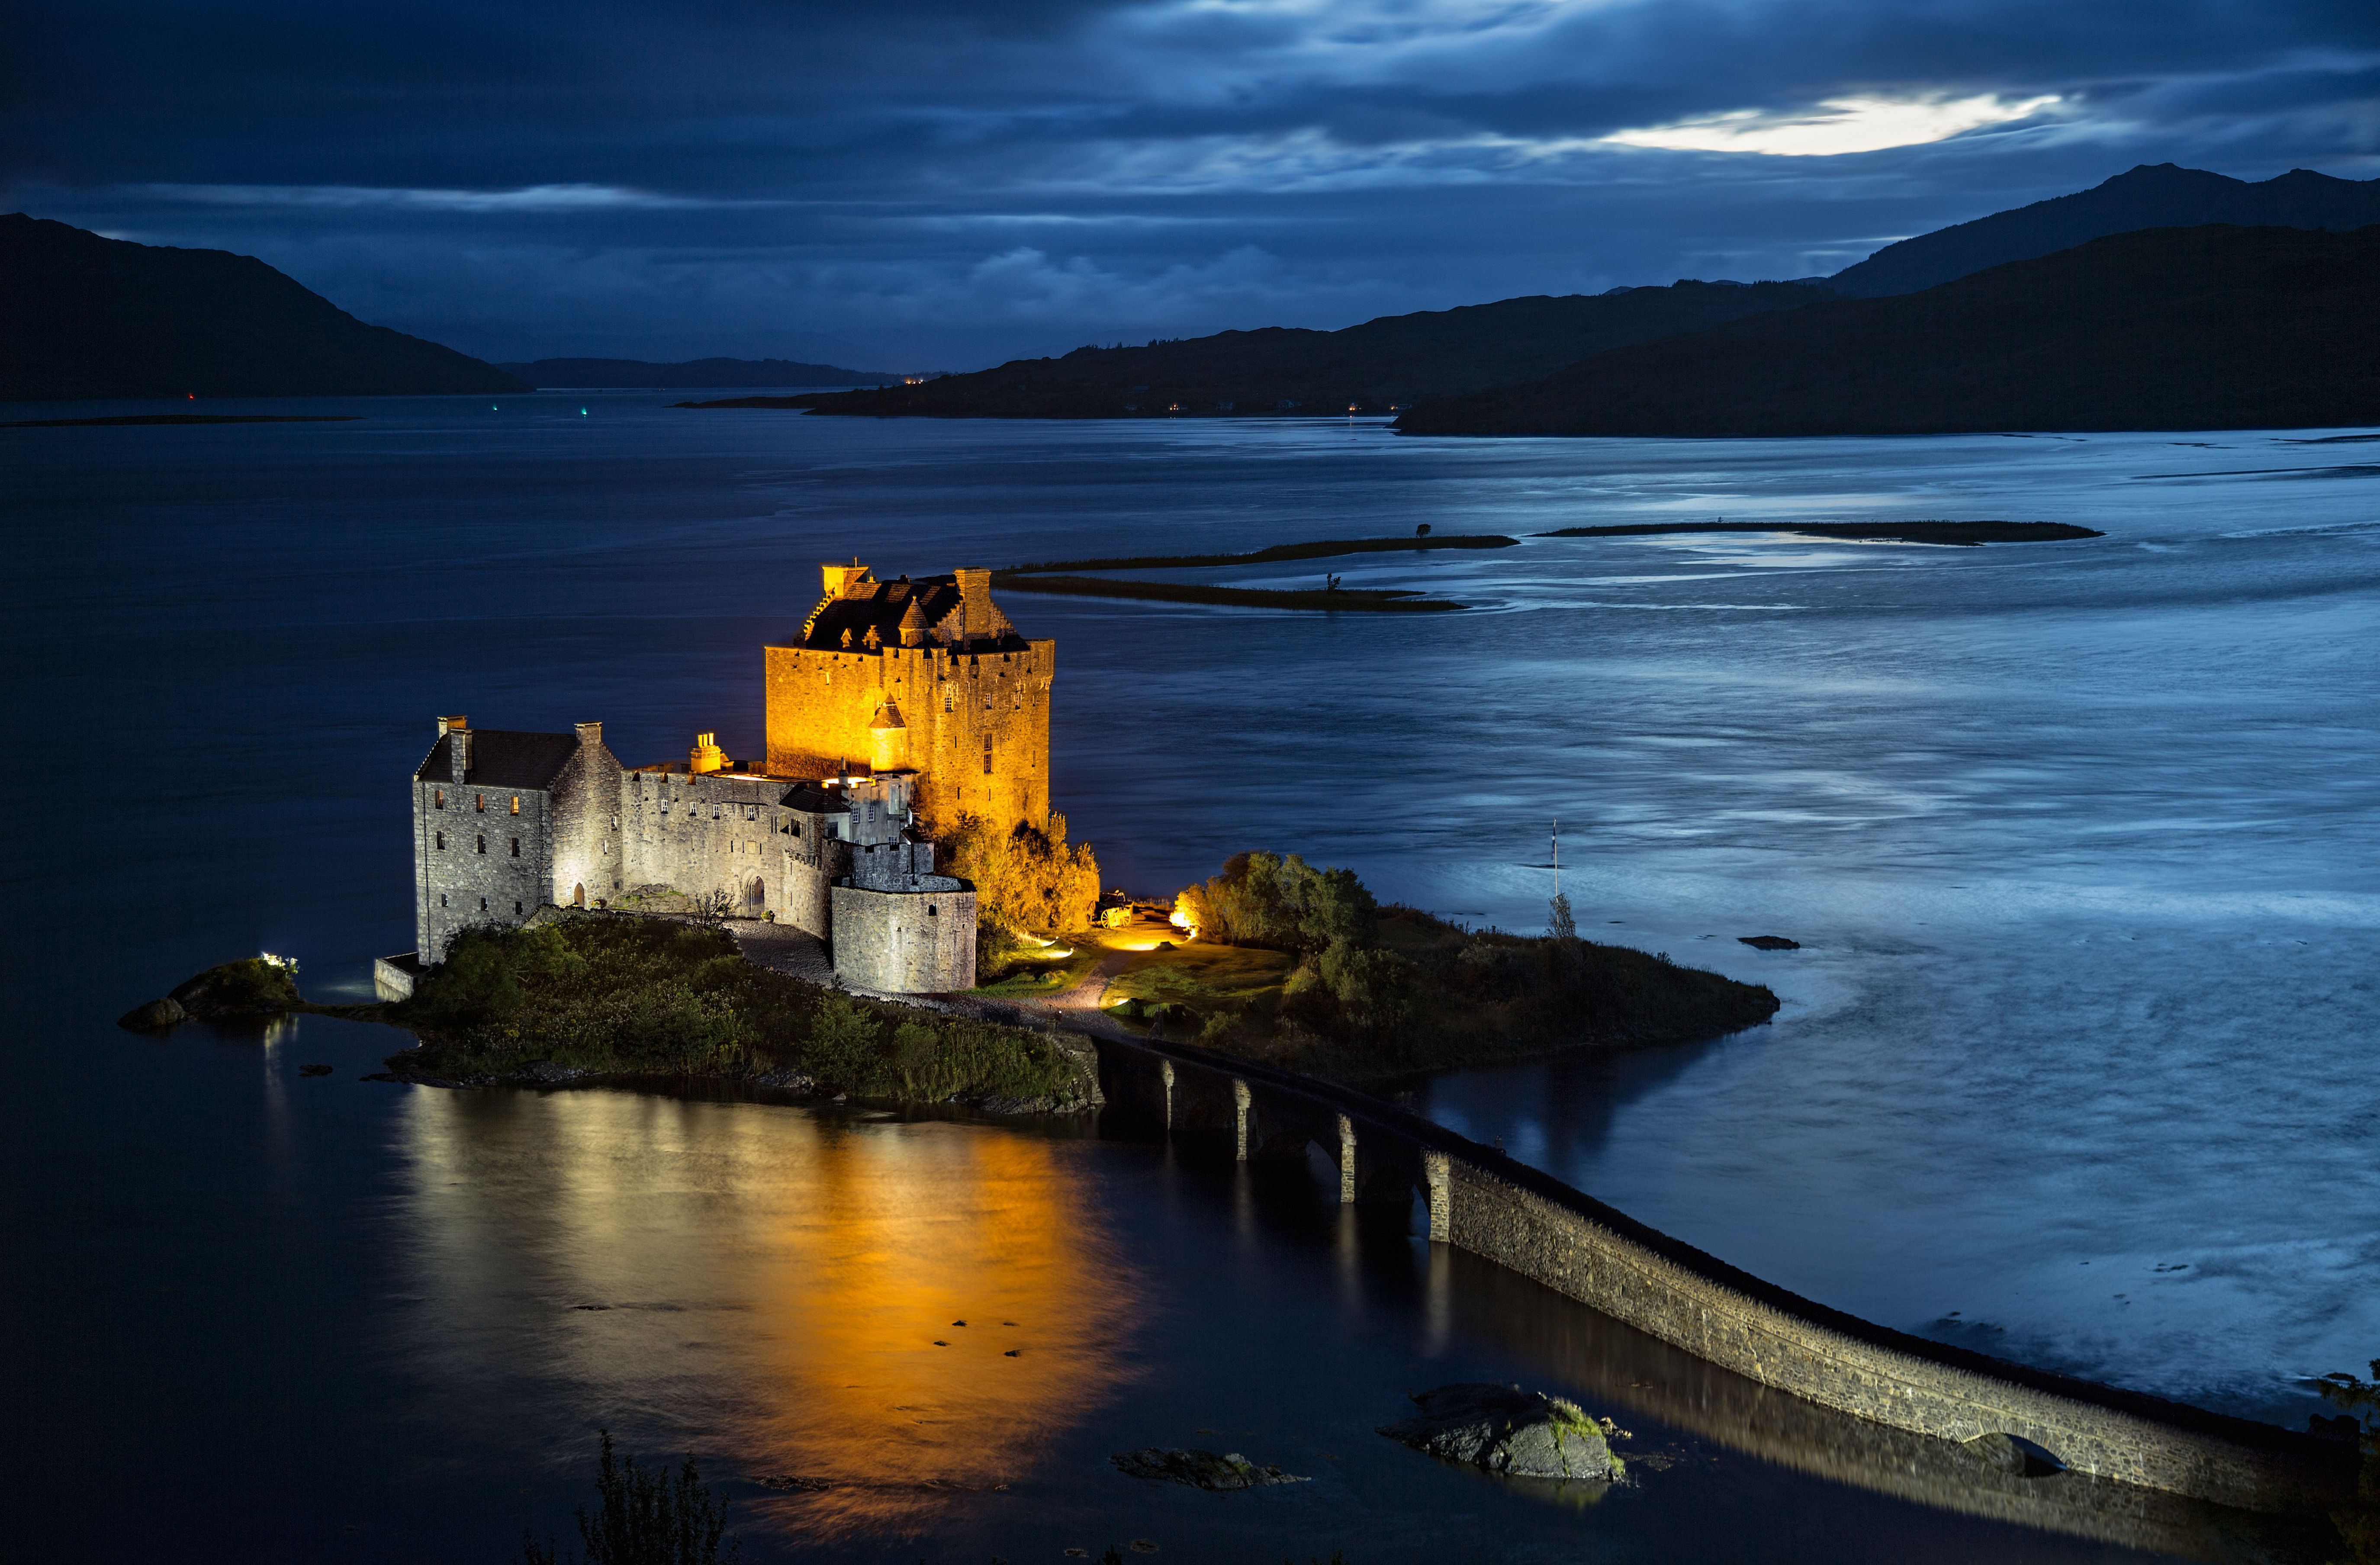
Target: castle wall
x,y
905,942
978,722
478,863
589,860
726,832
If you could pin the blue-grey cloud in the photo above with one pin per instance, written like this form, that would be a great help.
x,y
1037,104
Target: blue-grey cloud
x,y
921,183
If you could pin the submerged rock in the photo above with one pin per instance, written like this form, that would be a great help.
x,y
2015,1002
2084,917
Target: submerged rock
x,y
1507,1430
1769,943
1201,1469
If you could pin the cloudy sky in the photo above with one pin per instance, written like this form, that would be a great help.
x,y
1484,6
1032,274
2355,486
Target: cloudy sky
x,y
911,184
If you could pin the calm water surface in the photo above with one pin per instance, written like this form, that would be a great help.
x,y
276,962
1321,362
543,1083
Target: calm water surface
x,y
2081,841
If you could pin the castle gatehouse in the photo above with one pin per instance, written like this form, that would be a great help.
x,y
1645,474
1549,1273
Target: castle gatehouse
x,y
900,704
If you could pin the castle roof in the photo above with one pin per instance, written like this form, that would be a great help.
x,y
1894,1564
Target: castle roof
x,y
884,607
502,758
888,716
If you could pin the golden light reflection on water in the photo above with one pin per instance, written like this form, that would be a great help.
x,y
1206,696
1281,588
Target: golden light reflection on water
x,y
779,1291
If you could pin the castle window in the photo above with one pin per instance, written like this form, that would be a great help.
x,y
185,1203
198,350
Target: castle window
x,y
948,700
483,904
616,822
516,910
438,798
483,843
479,803
986,754
515,847
515,804
929,910
441,899
442,839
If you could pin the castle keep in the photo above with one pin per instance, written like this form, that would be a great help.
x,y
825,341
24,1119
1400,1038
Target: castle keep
x,y
926,674
900,703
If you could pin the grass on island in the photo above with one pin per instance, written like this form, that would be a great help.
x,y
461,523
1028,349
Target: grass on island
x,y
1311,975
1962,534
1397,601
1325,550
621,995
1037,975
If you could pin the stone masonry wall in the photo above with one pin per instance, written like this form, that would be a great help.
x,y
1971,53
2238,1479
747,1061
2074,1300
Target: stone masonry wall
x,y
905,942
726,831
1567,1251
820,705
477,862
1481,1201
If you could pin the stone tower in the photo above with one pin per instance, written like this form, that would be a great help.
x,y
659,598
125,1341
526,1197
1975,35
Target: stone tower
x,y
926,675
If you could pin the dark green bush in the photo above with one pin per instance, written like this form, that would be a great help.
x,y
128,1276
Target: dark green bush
x,y
620,994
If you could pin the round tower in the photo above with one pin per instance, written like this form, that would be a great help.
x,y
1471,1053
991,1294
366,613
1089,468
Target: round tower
x,y
887,740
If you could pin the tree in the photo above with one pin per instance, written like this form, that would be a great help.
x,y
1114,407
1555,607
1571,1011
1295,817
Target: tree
x,y
1026,879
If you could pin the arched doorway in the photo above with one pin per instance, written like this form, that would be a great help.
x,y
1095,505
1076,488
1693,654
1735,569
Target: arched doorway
x,y
578,894
756,898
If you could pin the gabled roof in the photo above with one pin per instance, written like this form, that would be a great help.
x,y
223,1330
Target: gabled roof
x,y
884,606
501,759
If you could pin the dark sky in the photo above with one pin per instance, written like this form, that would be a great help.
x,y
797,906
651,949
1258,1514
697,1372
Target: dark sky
x,y
912,183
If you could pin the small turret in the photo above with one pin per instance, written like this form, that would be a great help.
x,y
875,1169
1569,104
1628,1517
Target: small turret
x,y
887,740
913,624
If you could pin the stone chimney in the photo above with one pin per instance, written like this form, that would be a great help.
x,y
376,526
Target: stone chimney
x,y
974,596
458,746
591,735
447,723
706,756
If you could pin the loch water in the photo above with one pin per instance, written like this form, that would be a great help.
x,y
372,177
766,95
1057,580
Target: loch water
x,y
2081,841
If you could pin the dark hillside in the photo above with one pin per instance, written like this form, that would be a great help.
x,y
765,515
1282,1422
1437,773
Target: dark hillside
x,y
1397,358
634,372
2166,329
2158,196
82,316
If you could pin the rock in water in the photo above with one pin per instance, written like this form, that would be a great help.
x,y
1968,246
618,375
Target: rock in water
x,y
254,986
1201,1469
156,1016
2014,1455
1507,1430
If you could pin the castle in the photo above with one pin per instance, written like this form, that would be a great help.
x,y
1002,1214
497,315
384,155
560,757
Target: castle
x,y
900,708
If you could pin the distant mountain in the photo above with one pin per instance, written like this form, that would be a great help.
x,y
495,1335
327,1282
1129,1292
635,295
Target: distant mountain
x,y
82,316
1279,369
592,373
2166,329
2151,196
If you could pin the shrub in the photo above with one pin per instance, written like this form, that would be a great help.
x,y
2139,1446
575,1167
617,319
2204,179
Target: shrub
x,y
1269,900
618,993
644,1518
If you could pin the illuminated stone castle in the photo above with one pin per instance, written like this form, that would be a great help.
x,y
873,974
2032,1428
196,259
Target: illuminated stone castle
x,y
901,704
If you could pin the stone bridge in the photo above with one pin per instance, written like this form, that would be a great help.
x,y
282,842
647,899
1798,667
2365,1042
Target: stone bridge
x,y
1478,1199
